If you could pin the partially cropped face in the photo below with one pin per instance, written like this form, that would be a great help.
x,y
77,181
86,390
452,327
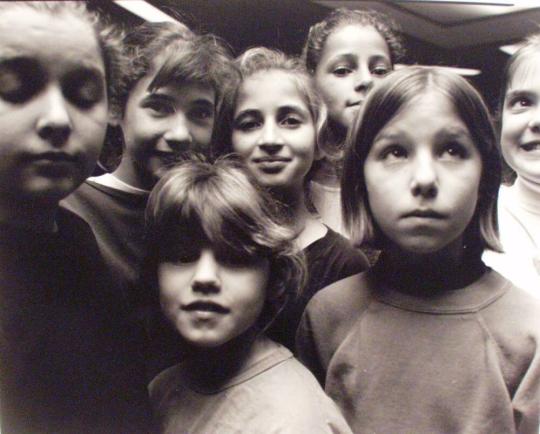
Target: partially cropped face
x,y
273,130
163,125
353,58
53,104
212,299
423,183
520,134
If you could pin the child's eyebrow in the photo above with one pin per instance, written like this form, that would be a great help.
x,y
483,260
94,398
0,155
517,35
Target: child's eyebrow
x,y
293,108
454,133
155,96
247,112
345,57
517,92
203,101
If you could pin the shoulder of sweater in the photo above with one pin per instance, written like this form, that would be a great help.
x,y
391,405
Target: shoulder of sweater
x,y
348,294
340,247
518,308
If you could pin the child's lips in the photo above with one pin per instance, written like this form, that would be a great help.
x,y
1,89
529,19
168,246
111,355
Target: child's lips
x,y
53,156
354,104
271,164
424,213
531,146
205,306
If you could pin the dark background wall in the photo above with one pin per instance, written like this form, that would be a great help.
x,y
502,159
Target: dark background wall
x,y
284,24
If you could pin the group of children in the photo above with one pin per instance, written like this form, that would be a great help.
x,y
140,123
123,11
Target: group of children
x,y
223,219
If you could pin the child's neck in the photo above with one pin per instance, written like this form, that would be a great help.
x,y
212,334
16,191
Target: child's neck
x,y
209,369
128,173
422,274
38,216
308,227
528,192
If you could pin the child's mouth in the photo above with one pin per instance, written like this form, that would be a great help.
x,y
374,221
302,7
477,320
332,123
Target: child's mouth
x,y
205,306
530,146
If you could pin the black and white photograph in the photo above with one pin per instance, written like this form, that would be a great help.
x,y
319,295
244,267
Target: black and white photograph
x,y
270,217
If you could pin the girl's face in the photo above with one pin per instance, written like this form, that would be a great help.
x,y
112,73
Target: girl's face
x,y
273,130
160,125
422,183
520,135
53,104
211,299
353,57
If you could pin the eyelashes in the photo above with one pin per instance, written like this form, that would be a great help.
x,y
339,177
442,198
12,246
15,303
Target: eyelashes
x,y
21,79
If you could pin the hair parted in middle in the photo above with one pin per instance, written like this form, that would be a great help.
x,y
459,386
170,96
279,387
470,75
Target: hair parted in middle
x,y
389,96
257,60
220,205
319,33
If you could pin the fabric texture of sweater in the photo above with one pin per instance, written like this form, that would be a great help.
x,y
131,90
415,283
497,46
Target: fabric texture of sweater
x,y
454,361
68,361
329,259
117,219
275,394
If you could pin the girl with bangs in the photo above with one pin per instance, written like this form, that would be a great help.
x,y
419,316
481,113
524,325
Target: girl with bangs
x,y
224,267
164,107
272,119
429,340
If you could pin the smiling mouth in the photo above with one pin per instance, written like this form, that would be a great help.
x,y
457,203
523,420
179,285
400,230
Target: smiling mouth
x,y
354,104
205,306
530,146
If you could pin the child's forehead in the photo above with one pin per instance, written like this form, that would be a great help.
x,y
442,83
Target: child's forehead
x,y
526,72
272,84
55,40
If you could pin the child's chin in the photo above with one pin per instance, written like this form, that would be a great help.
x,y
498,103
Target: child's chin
x,y
49,191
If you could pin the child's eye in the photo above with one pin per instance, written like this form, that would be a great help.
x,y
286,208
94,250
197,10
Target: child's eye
x,y
201,113
380,70
185,256
83,88
341,71
291,122
454,150
246,125
235,259
20,80
159,107
393,152
520,102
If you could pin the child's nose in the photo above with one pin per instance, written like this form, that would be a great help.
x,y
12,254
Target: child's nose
x,y
363,79
54,123
424,178
178,135
206,276
270,136
534,123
